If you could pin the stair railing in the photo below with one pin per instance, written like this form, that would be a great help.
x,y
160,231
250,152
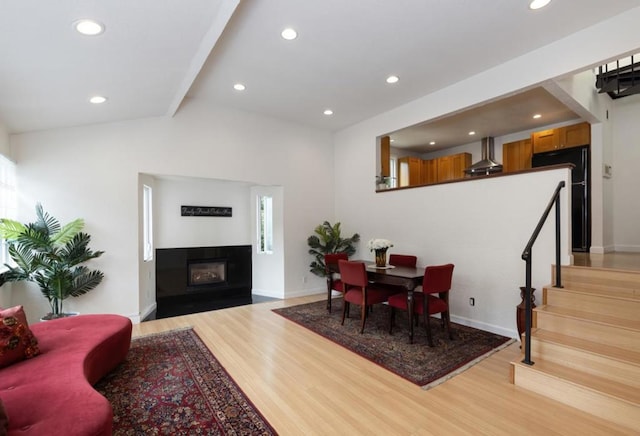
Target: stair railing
x,y
527,257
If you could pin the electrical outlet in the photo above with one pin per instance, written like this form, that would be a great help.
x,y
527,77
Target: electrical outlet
x,y
472,301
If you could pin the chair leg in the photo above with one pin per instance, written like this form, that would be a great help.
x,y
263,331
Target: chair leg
x,y
363,315
428,327
345,307
392,316
447,321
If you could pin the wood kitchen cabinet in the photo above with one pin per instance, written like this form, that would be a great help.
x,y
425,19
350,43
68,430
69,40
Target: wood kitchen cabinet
x,y
575,135
385,156
452,167
429,171
410,171
517,155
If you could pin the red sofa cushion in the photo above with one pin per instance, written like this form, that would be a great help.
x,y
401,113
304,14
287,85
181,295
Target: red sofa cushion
x,y
53,391
16,340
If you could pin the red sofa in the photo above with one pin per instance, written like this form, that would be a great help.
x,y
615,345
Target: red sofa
x,y
52,393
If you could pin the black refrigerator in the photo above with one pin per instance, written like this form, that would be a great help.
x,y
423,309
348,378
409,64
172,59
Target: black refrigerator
x,y
580,190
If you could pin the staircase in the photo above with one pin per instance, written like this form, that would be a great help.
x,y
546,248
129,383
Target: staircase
x,y
585,344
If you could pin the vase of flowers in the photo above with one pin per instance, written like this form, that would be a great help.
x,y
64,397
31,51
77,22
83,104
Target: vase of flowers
x,y
380,247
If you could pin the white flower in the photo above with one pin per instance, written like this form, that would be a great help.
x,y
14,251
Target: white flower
x,y
377,244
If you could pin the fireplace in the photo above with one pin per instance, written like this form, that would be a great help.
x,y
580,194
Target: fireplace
x,y
199,279
206,272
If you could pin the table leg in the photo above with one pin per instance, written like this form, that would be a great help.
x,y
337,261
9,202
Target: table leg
x,y
410,310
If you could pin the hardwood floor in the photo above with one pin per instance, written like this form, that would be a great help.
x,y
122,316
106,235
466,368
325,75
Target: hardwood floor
x,y
305,384
622,261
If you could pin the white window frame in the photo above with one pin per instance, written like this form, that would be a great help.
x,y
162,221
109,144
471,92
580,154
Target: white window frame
x,y
8,203
147,222
265,224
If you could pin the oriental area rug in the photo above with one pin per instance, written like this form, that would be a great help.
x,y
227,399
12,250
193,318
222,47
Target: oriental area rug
x,y
417,362
171,384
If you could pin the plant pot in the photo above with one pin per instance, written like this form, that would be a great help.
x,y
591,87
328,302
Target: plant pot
x,y
50,316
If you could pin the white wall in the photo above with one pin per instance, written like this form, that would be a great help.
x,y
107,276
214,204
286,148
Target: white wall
x,y
93,172
171,230
4,141
626,159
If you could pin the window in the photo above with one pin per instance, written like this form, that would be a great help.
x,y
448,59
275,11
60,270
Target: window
x,y
393,173
147,224
7,200
265,224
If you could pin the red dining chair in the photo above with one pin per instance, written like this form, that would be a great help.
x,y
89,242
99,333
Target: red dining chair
x,y
406,260
403,260
333,276
358,290
433,299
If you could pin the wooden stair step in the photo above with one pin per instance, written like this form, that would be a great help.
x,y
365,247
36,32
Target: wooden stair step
x,y
587,278
618,304
608,329
596,358
592,317
604,398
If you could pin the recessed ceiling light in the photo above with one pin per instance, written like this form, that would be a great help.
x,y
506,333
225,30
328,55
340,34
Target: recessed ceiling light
x,y
392,140
392,79
89,27
537,4
328,112
536,116
432,143
239,87
97,99
289,34
472,133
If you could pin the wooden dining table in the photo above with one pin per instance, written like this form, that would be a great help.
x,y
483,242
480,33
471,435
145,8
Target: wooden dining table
x,y
406,277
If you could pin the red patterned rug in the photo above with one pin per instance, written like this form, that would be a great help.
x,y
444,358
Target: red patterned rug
x,y
417,362
171,384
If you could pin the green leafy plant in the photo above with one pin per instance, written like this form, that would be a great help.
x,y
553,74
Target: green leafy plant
x,y
50,255
327,239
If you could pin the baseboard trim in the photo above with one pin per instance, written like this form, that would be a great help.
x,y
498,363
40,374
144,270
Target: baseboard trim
x,y
510,333
138,318
627,248
306,292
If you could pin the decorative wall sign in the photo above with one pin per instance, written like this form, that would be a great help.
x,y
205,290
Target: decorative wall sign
x,y
205,211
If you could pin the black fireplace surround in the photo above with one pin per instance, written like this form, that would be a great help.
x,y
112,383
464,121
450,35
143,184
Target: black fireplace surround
x,y
197,279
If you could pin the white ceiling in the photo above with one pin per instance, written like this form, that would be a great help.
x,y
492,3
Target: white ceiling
x,y
154,52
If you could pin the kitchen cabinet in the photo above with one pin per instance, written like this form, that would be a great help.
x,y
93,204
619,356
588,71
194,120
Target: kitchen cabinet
x,y
410,171
385,156
452,167
517,155
429,171
575,135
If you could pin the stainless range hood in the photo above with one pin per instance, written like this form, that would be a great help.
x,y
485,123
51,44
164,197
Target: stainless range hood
x,y
487,165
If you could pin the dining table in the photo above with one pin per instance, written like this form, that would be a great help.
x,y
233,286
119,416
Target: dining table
x,y
407,277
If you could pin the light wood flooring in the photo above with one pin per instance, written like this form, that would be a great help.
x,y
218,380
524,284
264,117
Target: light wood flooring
x,y
623,261
306,385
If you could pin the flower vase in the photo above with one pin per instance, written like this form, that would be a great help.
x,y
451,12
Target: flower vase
x,y
381,257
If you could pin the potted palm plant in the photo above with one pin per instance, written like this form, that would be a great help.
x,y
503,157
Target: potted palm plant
x,y
50,255
327,239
